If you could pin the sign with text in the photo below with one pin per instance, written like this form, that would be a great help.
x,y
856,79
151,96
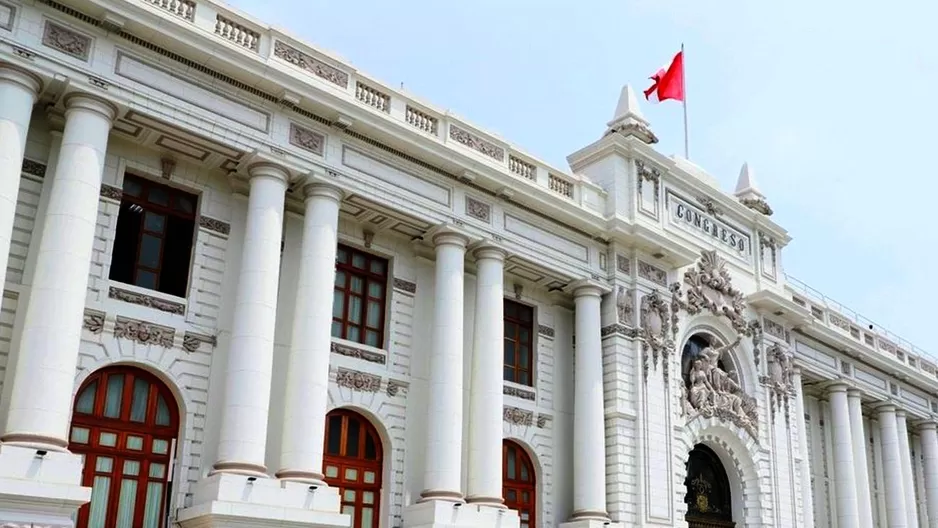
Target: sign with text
x,y
696,218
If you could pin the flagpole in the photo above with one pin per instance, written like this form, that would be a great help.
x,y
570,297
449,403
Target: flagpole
x,y
684,90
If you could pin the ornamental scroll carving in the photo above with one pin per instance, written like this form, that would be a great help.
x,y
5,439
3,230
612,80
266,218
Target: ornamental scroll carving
x,y
711,391
655,332
780,379
144,333
357,381
516,416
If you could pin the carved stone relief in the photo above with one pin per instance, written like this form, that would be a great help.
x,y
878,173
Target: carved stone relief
x,y
478,210
111,192
191,341
394,387
779,381
476,143
358,353
546,331
94,321
65,40
357,381
143,332
652,273
146,300
212,224
306,139
516,416
623,264
655,332
774,329
315,66
508,390
405,286
34,167
711,391
624,306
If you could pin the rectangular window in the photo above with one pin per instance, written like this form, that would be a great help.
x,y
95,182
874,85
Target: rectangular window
x,y
358,306
153,243
519,342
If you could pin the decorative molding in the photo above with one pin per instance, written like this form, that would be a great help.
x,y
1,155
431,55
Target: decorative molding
x,y
464,137
112,193
757,204
655,332
508,390
623,264
213,224
625,306
66,40
478,210
358,353
516,416
357,381
191,341
652,273
143,332
146,300
34,168
710,287
315,66
405,286
93,321
307,139
546,331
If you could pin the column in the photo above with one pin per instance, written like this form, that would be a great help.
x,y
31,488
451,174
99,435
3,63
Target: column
x,y
589,435
41,399
892,469
486,399
443,475
307,391
930,454
807,501
842,447
864,499
908,482
18,92
243,437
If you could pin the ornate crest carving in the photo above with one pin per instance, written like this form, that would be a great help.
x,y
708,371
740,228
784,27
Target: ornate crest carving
x,y
624,306
191,341
93,321
779,381
711,391
655,332
357,381
516,416
143,332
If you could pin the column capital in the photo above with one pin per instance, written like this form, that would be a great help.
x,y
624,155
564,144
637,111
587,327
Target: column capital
x,y
837,387
853,392
322,190
13,74
91,103
447,235
885,407
900,413
588,288
925,425
267,169
490,250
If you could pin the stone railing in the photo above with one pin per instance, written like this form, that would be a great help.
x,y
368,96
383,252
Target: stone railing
x,y
871,336
334,74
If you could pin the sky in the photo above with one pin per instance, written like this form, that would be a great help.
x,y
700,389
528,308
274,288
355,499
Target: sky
x,y
832,103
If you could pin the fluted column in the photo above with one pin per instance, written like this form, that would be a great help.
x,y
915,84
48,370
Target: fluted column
x,y
589,438
307,390
844,472
243,438
18,92
930,454
908,482
857,435
807,501
896,512
443,475
486,400
41,399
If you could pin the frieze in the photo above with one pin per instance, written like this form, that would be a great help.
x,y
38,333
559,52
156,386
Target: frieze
x,y
618,329
655,332
478,210
65,40
516,392
147,301
711,391
358,353
93,321
143,332
191,341
306,139
623,264
405,286
625,306
774,329
315,66
516,416
111,192
357,381
546,331
652,273
34,168
213,224
464,137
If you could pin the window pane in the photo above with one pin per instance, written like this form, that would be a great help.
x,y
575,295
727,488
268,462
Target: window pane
x,y
358,261
509,352
371,450
104,464
154,222
85,403
511,330
376,289
358,284
138,405
151,513
132,187
332,471
160,446
351,474
340,277
125,508
107,439
341,255
524,377
185,204
509,374
368,497
367,517
512,495
146,279
524,472
511,464
334,446
371,339
374,314
351,438
355,309
115,389
80,435
338,304
511,310
525,360
354,333
525,313
525,335
336,329
377,267
131,468
159,196
348,495
150,251
368,477
135,442
162,411
100,489
350,511
157,471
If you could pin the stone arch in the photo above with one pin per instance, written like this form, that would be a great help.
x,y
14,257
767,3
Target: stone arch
x,y
538,444
741,457
742,357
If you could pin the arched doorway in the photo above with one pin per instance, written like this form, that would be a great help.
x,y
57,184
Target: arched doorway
x,y
353,463
519,487
124,425
708,498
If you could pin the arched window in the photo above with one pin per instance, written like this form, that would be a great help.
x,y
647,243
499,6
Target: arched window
x,y
124,424
352,463
518,485
709,503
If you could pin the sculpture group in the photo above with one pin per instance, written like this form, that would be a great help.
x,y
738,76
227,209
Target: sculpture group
x,y
712,391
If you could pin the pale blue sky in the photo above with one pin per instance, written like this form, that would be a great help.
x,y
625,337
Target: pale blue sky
x,y
833,104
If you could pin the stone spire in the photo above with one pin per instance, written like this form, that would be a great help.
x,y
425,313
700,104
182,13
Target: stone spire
x,y
748,192
629,120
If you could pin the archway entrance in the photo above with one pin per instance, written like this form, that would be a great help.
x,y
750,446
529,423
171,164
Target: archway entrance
x,y
124,426
518,485
353,464
708,498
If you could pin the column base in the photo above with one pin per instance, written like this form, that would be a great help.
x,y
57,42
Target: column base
x,y
232,501
36,491
447,514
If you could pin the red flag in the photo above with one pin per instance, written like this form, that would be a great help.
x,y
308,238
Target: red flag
x,y
669,83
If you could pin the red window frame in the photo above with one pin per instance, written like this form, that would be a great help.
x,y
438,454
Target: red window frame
x,y
519,483
124,428
347,468
519,335
372,273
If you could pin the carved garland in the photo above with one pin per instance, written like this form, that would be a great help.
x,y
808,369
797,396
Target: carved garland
x,y
780,381
655,332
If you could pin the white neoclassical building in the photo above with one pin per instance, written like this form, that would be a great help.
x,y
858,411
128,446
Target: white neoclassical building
x,y
247,285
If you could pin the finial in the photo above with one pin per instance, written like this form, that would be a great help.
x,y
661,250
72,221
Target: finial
x,y
628,119
748,192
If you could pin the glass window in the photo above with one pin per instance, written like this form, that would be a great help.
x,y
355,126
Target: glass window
x,y
355,468
519,343
359,301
